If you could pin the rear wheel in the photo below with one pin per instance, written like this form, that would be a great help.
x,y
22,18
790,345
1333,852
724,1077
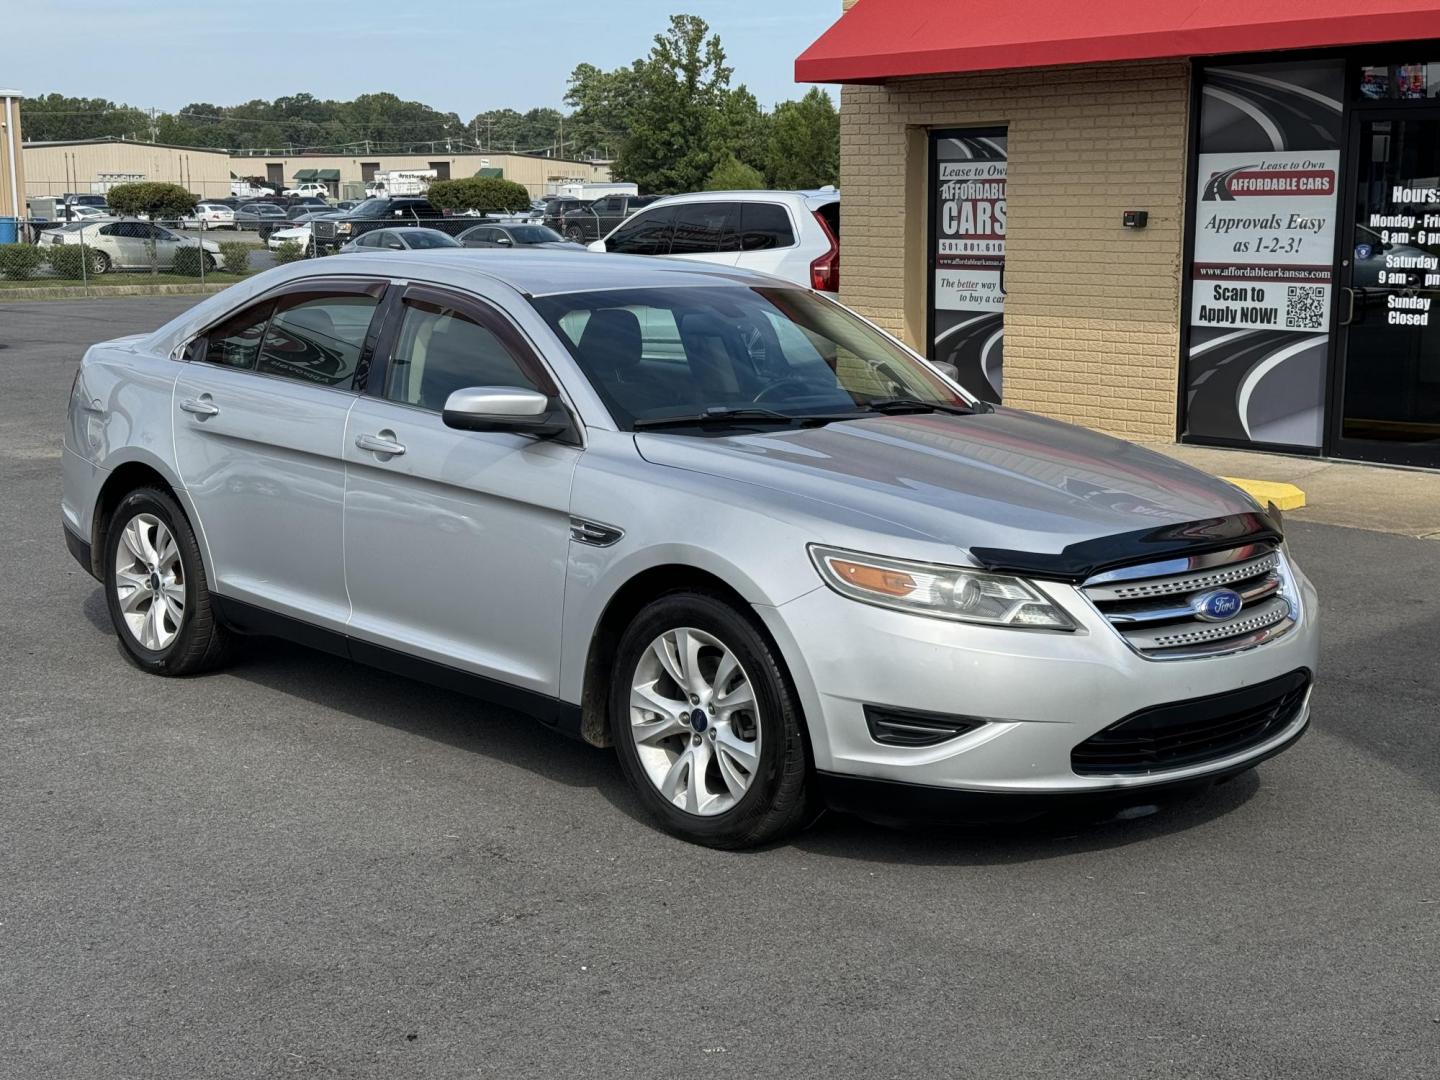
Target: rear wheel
x,y
706,725
99,262
156,590
575,234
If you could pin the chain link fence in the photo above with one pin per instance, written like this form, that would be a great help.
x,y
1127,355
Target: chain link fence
x,y
89,255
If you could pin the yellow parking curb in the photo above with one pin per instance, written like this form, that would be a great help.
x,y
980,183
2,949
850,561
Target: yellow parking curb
x,y
1285,496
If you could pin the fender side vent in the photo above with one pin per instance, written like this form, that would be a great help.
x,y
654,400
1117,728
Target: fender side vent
x,y
905,727
593,532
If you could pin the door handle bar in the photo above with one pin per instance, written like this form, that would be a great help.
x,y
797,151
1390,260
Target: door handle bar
x,y
199,408
378,445
1349,316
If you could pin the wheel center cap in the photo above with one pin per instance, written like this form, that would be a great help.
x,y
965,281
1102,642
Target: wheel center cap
x,y
698,720
154,582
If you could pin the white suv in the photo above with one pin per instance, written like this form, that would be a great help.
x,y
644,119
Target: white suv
x,y
792,234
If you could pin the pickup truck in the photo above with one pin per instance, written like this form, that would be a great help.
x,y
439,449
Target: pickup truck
x,y
584,222
379,213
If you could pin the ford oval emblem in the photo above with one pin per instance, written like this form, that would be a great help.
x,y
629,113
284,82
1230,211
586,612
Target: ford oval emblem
x,y
1218,605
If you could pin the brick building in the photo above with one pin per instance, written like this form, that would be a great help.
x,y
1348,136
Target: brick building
x,y
1163,222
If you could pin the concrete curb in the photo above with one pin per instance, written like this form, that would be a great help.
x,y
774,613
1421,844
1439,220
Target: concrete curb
x,y
98,292
1285,496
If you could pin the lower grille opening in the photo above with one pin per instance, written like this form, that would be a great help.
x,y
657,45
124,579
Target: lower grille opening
x,y
905,727
1193,732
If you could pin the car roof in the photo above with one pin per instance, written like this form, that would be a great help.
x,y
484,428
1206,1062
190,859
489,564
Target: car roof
x,y
811,199
557,271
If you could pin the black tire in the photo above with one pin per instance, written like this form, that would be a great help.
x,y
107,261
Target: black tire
x,y
201,643
575,234
210,264
99,262
777,801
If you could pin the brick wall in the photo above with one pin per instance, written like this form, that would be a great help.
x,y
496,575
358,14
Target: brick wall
x,y
1092,309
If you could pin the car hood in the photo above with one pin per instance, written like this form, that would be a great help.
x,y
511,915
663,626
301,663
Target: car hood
x,y
1000,480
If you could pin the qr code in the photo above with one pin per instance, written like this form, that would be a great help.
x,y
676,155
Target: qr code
x,y
1304,307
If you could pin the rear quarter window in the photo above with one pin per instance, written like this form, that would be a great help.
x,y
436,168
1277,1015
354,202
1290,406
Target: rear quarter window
x,y
764,226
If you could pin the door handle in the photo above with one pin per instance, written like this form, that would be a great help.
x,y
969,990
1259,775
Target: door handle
x,y
200,407
1349,316
380,444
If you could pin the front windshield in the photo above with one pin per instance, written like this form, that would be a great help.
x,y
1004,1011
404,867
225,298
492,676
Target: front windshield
x,y
535,234
671,352
371,206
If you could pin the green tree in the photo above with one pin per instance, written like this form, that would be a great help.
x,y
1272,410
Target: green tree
x,y
483,193
679,89
53,117
158,200
733,174
804,145
602,103
741,129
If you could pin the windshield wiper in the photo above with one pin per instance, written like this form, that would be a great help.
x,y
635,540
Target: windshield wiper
x,y
898,406
747,415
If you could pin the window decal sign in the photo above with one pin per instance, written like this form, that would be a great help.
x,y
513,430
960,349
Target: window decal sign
x,y
968,222
1265,240
1262,269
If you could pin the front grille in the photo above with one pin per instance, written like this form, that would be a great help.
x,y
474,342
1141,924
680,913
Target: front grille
x,y
1193,732
1159,608
324,230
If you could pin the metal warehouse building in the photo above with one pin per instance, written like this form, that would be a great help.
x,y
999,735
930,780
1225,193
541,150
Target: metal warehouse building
x,y
1217,222
55,168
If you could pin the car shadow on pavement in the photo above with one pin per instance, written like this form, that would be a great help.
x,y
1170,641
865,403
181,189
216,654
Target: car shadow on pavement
x,y
842,836
514,738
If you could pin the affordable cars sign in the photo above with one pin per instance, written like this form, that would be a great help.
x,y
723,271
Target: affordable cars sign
x,y
1265,240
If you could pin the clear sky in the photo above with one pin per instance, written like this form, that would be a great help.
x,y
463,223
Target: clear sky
x,y
464,56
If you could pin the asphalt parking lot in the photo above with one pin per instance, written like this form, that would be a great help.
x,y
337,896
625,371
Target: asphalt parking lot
x,y
302,867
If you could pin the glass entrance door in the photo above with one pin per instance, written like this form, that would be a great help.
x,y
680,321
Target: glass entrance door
x,y
1389,360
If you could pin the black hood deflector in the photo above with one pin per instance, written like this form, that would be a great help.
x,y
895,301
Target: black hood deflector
x,y
1090,557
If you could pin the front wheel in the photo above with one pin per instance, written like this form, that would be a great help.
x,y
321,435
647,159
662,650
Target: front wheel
x,y
575,235
156,590
99,262
706,725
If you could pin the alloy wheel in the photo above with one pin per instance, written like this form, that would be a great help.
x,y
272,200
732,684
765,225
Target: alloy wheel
x,y
150,582
695,721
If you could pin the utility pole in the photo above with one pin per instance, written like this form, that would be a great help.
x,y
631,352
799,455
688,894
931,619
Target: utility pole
x,y
154,127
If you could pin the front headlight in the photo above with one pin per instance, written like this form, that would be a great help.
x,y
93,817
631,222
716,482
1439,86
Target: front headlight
x,y
944,592
343,227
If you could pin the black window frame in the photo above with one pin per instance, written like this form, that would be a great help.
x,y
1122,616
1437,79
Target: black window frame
x,y
730,235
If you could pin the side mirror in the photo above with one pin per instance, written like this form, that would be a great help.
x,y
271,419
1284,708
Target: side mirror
x,y
504,241
950,371
505,408
597,246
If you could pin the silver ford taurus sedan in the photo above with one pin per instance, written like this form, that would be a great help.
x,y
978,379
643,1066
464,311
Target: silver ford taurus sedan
x,y
715,520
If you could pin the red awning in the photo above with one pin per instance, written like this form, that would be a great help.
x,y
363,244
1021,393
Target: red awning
x,y
884,39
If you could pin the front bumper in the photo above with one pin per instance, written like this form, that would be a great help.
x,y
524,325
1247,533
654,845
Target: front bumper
x,y
1039,693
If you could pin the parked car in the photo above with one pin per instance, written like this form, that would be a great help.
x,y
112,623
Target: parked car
x,y
129,244
592,220
793,235
215,215
513,236
261,217
403,239
311,202
82,212
716,520
311,189
378,213
72,201
556,207
292,234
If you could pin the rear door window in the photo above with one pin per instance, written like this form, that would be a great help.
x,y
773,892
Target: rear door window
x,y
645,234
764,226
317,339
703,228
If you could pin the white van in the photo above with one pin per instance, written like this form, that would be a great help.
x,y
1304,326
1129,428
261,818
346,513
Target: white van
x,y
791,234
